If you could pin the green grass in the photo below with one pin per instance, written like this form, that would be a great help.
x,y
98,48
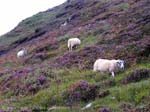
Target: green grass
x,y
132,93
89,41
120,7
119,93
62,78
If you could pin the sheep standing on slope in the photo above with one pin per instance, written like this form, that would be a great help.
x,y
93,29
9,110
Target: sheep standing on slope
x,y
105,65
73,42
22,53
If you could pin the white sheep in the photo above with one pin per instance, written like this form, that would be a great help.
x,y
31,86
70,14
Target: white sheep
x,y
73,42
64,24
22,53
105,65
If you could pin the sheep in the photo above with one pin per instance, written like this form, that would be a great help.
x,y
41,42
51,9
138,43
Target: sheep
x,y
105,65
73,42
22,53
64,24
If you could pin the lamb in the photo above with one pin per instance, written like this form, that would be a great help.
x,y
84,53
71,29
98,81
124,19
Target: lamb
x,y
22,53
73,42
105,65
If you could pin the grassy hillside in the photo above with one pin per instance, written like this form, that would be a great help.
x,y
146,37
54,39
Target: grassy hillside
x,y
50,78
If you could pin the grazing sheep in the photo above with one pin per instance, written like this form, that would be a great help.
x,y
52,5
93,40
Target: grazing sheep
x,y
105,65
22,53
64,24
73,42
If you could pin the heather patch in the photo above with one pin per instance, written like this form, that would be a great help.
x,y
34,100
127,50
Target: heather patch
x,y
80,91
136,76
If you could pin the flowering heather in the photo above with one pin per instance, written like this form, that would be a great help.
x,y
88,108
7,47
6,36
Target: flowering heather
x,y
104,109
80,91
136,75
41,79
52,76
24,81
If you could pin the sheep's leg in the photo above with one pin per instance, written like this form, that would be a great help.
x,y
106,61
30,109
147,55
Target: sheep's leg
x,y
102,73
71,48
113,74
76,46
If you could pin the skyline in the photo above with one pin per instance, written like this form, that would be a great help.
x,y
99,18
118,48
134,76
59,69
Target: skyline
x,y
13,12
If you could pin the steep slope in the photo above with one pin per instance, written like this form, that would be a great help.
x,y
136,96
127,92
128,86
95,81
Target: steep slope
x,y
102,23
51,75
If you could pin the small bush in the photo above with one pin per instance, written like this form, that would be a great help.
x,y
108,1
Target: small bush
x,y
104,109
136,75
80,91
103,93
109,83
126,107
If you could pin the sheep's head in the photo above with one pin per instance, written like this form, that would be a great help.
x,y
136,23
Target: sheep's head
x,y
120,64
25,51
79,41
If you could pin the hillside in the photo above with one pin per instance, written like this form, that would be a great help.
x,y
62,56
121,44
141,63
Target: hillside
x,y
51,76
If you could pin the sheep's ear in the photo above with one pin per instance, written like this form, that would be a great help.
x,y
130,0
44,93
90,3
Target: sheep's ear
x,y
119,63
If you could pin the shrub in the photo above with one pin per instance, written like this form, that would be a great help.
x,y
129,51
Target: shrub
x,y
136,75
126,107
80,91
103,93
104,109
